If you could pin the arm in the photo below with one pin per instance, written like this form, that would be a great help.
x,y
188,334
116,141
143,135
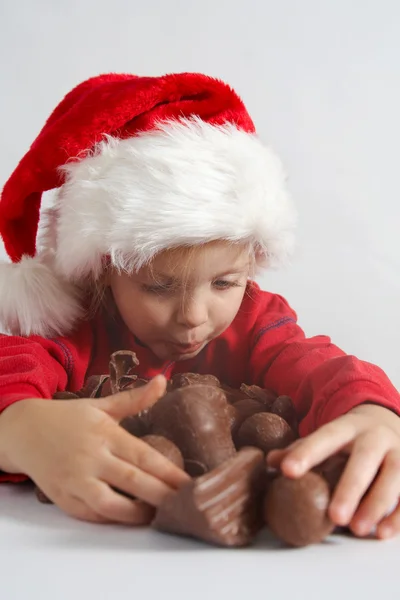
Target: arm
x,y
322,380
35,367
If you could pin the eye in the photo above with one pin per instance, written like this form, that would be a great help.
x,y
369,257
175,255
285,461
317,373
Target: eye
x,y
223,284
157,289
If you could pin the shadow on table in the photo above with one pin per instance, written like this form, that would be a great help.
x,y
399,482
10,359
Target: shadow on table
x,y
47,526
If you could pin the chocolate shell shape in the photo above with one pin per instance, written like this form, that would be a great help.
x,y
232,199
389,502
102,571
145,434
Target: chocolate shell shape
x,y
283,407
223,507
93,387
265,431
296,509
122,364
257,393
166,448
197,420
184,379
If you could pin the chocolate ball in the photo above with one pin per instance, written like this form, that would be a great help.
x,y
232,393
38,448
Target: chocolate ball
x,y
283,407
166,448
243,410
295,510
332,469
265,431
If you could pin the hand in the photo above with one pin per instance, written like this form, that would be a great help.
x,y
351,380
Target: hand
x,y
370,435
75,451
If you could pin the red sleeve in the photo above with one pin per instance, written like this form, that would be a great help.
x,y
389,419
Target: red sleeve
x,y
322,380
36,367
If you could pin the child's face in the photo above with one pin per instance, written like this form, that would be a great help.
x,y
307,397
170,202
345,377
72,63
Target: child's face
x,y
185,299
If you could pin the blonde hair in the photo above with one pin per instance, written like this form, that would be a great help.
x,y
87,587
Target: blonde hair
x,y
179,257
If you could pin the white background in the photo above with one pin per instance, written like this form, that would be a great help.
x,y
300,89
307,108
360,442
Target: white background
x,y
321,79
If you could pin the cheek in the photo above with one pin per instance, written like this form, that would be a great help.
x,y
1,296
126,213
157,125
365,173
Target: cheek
x,y
227,308
141,313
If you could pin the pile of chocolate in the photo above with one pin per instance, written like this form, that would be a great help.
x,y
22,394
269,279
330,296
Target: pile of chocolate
x,y
220,436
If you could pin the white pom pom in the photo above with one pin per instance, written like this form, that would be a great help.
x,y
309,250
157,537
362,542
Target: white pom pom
x,y
34,300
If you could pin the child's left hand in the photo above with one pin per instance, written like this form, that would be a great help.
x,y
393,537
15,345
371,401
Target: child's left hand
x,y
371,436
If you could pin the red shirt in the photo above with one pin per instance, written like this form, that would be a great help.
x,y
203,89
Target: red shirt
x,y
263,346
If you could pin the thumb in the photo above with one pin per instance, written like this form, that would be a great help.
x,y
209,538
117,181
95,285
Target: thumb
x,y
132,402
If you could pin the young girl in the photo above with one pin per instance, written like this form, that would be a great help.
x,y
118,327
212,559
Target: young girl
x,y
167,205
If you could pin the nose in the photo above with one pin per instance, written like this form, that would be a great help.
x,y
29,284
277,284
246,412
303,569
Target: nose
x,y
192,312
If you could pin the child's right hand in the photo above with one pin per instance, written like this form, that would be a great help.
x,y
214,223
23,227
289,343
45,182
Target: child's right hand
x,y
75,451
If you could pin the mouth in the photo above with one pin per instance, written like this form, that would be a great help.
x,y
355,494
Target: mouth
x,y
187,348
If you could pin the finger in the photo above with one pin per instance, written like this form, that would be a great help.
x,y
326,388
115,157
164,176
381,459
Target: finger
x,y
77,509
275,457
381,498
362,466
131,480
390,526
132,401
110,505
318,446
137,453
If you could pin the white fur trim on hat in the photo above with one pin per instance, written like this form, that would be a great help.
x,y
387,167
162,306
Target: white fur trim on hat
x,y
184,183
34,300
187,182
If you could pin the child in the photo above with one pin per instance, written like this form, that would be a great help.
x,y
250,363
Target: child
x,y
167,205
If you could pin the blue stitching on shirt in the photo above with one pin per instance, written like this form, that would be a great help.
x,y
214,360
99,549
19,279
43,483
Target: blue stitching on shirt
x,y
67,356
167,366
274,325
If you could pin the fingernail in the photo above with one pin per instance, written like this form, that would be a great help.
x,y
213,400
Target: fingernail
x,y
341,512
363,527
295,466
385,532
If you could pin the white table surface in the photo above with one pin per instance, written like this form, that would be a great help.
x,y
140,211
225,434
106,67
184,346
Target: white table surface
x,y
44,554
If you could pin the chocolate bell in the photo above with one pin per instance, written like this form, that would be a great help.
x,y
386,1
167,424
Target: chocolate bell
x,y
197,420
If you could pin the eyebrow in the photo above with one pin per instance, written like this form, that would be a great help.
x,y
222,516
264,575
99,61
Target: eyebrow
x,y
171,279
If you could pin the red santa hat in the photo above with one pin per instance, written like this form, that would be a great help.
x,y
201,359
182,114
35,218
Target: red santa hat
x,y
142,164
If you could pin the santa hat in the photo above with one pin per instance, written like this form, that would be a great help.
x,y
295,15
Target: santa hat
x,y
142,164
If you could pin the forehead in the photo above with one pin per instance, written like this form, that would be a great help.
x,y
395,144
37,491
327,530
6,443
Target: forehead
x,y
207,260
